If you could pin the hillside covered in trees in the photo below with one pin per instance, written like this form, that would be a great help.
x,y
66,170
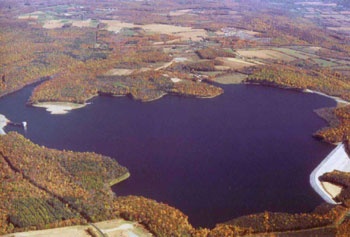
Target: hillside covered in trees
x,y
46,188
42,188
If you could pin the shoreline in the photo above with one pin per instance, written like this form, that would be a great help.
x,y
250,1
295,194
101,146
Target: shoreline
x,y
14,90
3,122
338,159
56,108
152,99
337,99
119,179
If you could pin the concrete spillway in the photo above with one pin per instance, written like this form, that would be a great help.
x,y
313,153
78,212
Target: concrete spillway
x,y
338,159
3,123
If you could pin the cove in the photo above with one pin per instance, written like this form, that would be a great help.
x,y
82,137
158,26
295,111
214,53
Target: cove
x,y
246,151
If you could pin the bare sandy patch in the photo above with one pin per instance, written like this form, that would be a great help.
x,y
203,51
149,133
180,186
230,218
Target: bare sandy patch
x,y
332,189
180,59
185,33
119,72
237,60
315,48
73,231
180,12
86,23
173,41
250,32
222,68
58,107
53,24
164,66
265,54
34,15
116,26
175,79
122,228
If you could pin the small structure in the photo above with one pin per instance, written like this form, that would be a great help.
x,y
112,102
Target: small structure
x,y
4,121
24,124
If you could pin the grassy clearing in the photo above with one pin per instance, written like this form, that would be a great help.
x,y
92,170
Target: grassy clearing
x,y
294,53
344,29
53,24
265,54
310,49
185,33
325,63
230,78
235,63
37,15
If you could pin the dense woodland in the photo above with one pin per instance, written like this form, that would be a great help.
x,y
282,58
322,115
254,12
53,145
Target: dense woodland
x,y
45,188
63,187
342,179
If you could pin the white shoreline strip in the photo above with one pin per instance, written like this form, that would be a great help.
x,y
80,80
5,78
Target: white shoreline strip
x,y
337,99
3,123
58,107
338,159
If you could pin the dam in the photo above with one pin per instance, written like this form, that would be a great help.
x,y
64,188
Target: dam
x,y
3,123
338,159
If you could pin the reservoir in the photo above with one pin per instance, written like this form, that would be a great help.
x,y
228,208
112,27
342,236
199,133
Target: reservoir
x,y
246,151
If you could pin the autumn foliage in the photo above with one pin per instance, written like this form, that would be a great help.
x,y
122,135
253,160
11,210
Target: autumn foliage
x,y
159,218
212,53
58,185
45,188
341,179
340,126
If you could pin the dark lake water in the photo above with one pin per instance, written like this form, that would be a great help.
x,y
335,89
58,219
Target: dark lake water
x,y
246,151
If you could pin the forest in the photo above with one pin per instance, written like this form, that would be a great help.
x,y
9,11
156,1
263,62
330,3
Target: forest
x,y
72,190
63,187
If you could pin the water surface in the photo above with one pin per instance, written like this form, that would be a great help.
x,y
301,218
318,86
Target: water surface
x,y
246,151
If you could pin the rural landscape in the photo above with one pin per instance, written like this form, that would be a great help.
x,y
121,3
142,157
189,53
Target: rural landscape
x,y
77,50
